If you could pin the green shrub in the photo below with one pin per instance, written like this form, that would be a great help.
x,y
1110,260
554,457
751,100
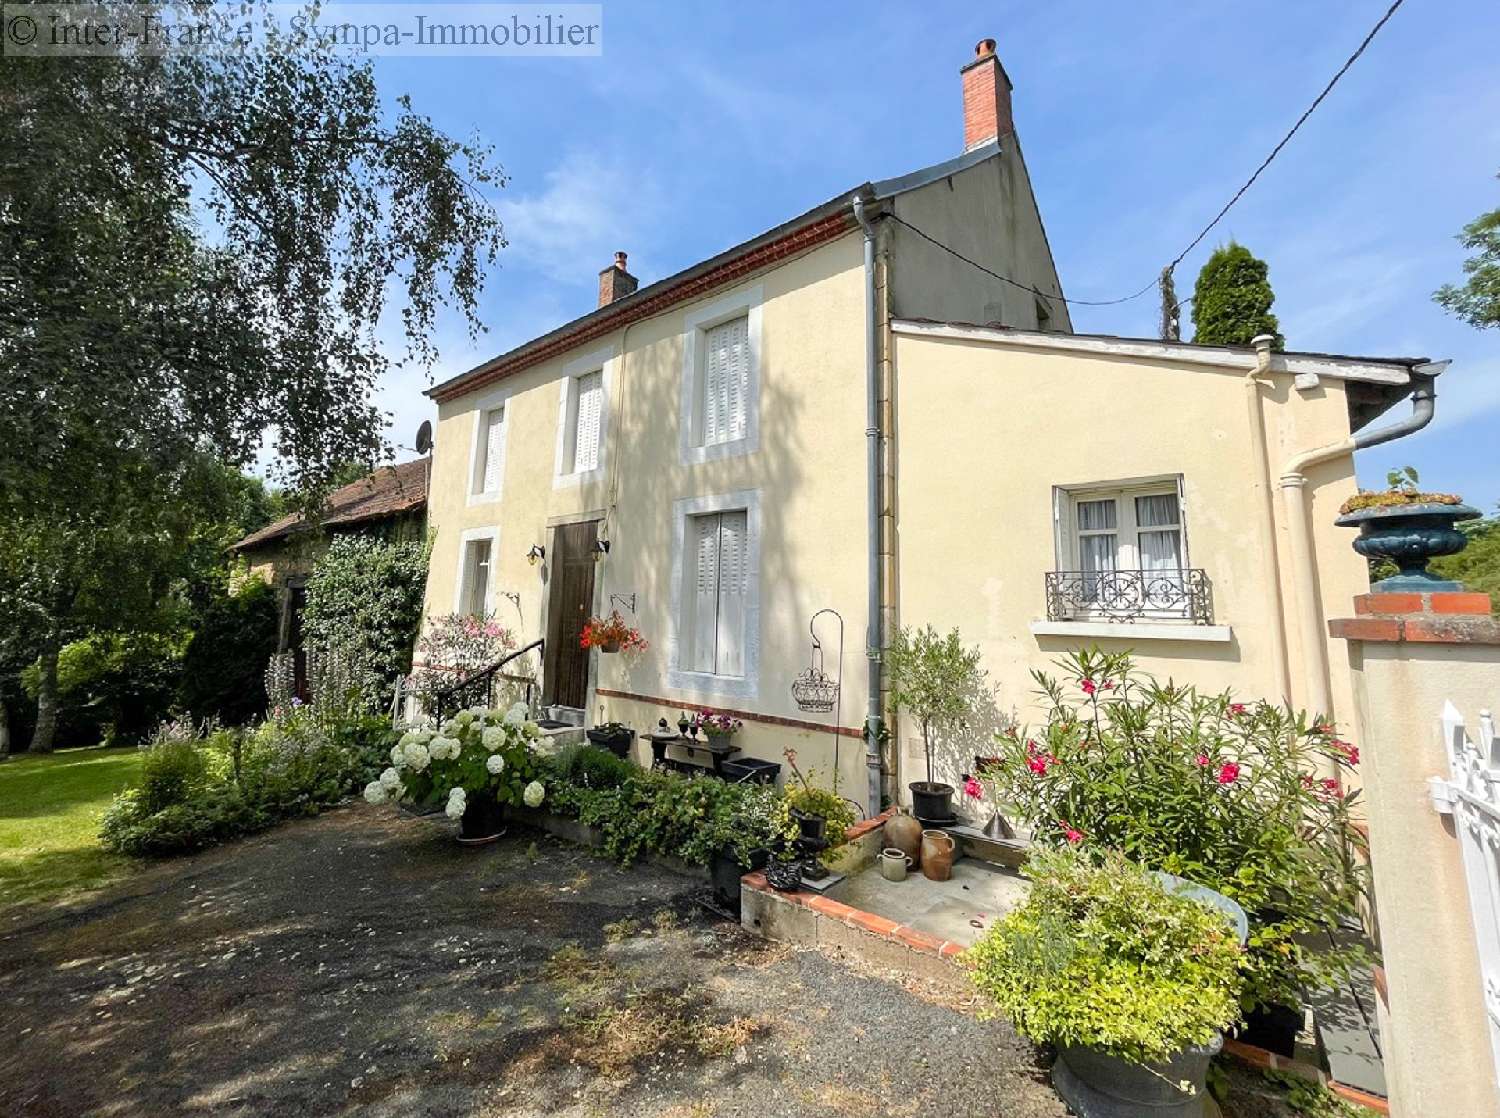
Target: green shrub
x,y
1102,957
1234,796
364,601
113,688
217,813
591,767
224,664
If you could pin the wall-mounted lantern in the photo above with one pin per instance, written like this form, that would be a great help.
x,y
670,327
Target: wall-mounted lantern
x,y
536,554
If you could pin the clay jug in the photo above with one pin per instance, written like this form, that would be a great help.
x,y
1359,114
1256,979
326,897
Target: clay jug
x,y
937,855
904,833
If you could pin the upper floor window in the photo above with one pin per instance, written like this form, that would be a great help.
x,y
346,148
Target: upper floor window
x,y
583,418
588,411
488,458
721,378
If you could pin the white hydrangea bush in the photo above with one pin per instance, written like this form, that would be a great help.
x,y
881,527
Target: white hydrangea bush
x,y
478,753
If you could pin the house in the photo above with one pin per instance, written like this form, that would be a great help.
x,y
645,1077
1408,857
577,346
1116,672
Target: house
x,y
391,502
805,422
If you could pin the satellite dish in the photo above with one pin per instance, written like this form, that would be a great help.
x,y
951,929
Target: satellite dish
x,y
424,437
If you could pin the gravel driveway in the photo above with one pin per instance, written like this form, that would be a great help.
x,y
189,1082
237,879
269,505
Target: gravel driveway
x,y
363,963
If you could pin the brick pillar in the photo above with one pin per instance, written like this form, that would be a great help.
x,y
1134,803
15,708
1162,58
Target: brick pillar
x,y
1409,654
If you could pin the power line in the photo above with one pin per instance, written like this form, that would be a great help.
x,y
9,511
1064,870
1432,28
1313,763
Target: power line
x,y
1238,194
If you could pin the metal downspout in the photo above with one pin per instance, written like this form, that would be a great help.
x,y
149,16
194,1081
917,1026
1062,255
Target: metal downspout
x,y
1253,383
1299,529
874,761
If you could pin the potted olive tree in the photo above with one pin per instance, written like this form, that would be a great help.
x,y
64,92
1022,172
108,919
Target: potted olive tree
x,y
1130,982
934,678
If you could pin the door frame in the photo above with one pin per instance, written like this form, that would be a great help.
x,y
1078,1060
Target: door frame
x,y
551,571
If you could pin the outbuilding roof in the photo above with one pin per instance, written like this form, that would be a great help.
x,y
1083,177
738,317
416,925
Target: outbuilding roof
x,y
389,491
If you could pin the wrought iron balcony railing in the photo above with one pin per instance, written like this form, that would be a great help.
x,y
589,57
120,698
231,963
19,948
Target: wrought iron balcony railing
x,y
1178,594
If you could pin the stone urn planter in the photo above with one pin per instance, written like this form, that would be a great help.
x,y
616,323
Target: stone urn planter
x,y
1409,535
1098,1085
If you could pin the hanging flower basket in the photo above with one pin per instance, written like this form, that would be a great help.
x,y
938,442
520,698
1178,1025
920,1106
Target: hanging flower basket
x,y
611,634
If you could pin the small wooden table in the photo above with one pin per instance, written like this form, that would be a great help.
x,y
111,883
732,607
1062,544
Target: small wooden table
x,y
716,753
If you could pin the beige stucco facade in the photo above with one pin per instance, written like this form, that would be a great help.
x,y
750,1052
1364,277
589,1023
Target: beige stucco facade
x,y
980,429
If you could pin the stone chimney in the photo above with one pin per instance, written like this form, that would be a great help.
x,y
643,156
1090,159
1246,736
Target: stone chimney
x,y
615,282
986,97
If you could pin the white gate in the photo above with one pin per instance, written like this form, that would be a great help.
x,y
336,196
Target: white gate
x,y
1471,796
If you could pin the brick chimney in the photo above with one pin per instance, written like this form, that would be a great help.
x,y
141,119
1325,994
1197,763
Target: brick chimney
x,y
615,282
986,97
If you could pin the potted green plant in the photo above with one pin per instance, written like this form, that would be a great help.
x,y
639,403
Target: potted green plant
x,y
1407,527
933,678
813,813
1246,798
1131,983
476,764
611,634
613,736
742,829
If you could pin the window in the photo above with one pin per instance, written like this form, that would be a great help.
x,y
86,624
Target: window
x,y
714,625
489,453
474,575
721,378
583,419
1125,555
716,604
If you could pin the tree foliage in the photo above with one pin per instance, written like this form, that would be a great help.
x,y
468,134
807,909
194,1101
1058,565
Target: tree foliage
x,y
224,664
1478,565
196,250
1477,299
933,677
1232,299
364,602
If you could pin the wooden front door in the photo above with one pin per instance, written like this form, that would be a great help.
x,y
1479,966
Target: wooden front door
x,y
570,599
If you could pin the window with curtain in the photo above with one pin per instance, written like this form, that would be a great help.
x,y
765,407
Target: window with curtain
x,y
1128,543
713,626
476,577
724,383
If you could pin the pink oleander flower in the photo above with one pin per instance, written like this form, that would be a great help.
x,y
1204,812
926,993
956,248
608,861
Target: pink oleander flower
x,y
1073,835
1350,751
973,789
1089,687
1201,760
1321,728
1236,708
1229,772
1037,765
1328,788
1106,686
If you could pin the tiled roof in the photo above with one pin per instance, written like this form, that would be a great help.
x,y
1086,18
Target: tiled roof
x,y
389,491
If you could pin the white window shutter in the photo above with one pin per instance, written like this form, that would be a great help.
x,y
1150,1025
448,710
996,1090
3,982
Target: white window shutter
x,y
494,450
586,429
705,594
733,577
726,381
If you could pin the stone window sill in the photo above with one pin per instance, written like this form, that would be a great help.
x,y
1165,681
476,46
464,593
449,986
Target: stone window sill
x,y
1135,631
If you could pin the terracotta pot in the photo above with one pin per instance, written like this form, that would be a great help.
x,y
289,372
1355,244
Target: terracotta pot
x,y
937,855
904,833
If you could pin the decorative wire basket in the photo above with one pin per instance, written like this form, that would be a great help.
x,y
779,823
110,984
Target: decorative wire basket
x,y
813,690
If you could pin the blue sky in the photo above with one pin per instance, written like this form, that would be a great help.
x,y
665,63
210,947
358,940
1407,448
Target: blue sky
x,y
704,124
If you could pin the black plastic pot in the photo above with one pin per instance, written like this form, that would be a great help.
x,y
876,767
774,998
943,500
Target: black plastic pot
x,y
810,826
483,820
1274,1028
616,741
785,876
1098,1085
726,870
931,801
750,770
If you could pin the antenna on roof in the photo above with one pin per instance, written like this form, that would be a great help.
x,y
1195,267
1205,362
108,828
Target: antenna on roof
x,y
424,437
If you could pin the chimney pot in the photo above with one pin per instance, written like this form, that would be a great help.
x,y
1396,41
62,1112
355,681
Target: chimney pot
x,y
987,110
615,282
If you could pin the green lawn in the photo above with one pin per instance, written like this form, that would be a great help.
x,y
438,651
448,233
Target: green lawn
x,y
49,821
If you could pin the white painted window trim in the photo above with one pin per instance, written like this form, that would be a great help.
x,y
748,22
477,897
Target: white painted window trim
x,y
605,362
461,580
1164,630
482,407
706,683
696,325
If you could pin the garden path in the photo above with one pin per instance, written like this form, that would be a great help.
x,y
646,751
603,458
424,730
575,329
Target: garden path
x,y
363,963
